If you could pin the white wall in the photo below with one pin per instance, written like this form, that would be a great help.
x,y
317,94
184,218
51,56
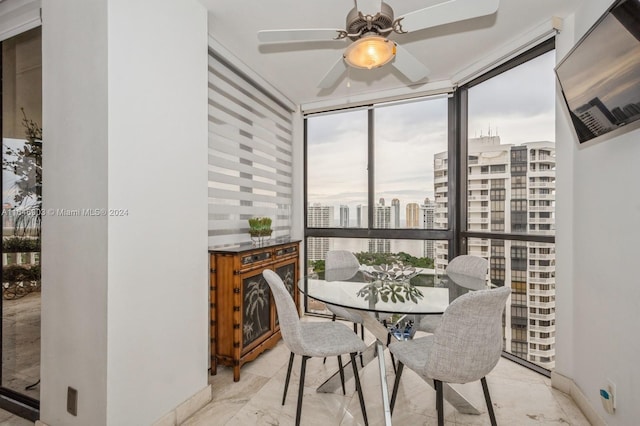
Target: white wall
x,y
158,266
602,341
74,249
125,300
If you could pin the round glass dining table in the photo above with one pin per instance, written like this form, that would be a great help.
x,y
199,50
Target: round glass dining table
x,y
410,294
385,292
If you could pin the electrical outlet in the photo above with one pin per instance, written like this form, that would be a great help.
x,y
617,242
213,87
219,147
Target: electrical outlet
x,y
612,391
72,401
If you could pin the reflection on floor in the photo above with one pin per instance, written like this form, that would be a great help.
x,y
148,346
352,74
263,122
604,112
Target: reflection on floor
x,y
21,344
8,419
520,397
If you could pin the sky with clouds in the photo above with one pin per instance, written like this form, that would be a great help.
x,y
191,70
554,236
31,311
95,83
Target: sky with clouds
x,y
518,105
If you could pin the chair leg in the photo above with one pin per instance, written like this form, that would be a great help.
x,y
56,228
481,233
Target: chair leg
x,y
439,402
362,334
344,392
301,389
286,382
396,385
359,387
487,398
393,360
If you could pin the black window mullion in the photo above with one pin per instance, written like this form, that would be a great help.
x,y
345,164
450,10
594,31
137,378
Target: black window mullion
x,y
371,168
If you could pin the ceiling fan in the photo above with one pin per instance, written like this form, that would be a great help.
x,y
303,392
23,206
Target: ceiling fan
x,y
368,25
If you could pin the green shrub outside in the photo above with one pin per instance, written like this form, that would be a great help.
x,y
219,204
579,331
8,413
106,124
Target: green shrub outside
x,y
17,273
20,245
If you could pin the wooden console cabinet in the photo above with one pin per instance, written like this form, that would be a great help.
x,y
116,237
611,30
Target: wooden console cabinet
x,y
244,321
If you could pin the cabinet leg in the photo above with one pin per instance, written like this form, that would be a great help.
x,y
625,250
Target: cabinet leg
x,y
236,373
214,365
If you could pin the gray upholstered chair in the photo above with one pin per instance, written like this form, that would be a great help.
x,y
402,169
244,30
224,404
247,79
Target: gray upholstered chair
x,y
312,339
465,265
342,265
465,347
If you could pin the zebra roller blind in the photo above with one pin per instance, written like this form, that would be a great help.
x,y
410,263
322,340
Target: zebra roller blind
x,y
250,156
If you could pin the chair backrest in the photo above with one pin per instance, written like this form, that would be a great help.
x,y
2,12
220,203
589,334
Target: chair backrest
x,y
465,264
468,342
340,265
287,312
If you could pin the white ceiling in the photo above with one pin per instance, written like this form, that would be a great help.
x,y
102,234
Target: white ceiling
x,y
296,68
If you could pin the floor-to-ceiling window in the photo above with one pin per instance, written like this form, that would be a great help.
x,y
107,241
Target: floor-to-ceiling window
x,y
21,214
472,172
511,195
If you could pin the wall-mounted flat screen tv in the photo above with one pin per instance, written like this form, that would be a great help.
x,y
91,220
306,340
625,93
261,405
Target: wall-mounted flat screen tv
x,y
600,76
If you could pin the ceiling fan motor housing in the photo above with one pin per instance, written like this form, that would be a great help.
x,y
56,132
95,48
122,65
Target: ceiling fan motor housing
x,y
381,23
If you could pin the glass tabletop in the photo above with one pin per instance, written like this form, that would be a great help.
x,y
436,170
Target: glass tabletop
x,y
387,290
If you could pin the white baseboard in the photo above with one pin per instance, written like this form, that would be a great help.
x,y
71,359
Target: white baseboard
x,y
568,386
182,412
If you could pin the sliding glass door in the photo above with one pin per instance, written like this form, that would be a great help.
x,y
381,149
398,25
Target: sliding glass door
x,y
21,204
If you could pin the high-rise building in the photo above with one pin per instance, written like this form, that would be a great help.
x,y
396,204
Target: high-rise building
x,y
382,220
318,216
596,116
362,216
511,188
427,214
413,216
344,216
395,213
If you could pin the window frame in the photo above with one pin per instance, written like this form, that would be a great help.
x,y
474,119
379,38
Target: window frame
x,y
457,233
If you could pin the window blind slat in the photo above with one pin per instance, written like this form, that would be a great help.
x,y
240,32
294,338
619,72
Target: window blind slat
x,y
246,138
250,183
224,114
246,168
224,145
228,96
216,193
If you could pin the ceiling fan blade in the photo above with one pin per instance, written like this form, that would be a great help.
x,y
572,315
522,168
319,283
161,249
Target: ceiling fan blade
x,y
336,71
369,7
276,36
447,12
408,65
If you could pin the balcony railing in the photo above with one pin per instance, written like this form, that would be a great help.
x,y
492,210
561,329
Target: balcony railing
x,y
542,317
540,268
537,280
537,292
542,184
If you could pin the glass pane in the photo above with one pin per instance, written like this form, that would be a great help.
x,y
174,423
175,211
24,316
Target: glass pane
x,y
511,165
337,170
529,268
417,253
21,202
411,165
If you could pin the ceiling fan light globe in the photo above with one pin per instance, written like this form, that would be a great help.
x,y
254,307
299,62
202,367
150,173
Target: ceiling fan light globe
x,y
370,52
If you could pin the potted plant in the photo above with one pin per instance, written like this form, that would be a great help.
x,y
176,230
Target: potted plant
x,y
260,229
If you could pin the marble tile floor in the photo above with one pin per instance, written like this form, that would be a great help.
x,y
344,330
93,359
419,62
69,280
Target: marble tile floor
x,y
21,344
9,419
520,397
